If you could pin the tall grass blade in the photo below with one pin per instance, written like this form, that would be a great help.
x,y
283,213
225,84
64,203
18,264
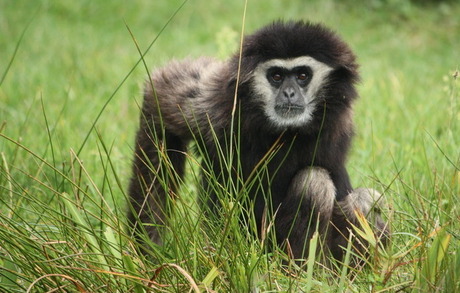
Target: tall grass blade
x,y
433,265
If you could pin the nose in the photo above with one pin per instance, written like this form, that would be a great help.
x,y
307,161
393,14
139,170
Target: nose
x,y
289,94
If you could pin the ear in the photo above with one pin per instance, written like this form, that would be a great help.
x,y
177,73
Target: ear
x,y
346,73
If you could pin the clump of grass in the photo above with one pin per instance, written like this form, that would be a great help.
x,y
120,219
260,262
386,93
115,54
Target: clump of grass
x,y
63,228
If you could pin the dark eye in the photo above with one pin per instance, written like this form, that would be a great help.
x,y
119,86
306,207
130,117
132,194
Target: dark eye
x,y
302,76
277,77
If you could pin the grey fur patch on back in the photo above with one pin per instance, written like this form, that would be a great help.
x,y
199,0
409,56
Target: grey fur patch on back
x,y
176,80
178,94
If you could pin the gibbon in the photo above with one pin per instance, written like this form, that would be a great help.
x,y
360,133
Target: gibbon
x,y
284,100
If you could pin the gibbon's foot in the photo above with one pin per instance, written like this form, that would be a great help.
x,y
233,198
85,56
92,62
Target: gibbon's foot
x,y
362,201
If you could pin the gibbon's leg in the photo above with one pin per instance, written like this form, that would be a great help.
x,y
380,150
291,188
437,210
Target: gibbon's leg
x,y
366,201
158,163
309,204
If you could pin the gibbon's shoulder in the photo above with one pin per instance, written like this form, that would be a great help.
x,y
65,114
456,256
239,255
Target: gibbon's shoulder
x,y
184,79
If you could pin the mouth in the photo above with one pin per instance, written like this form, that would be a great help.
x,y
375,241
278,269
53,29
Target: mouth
x,y
289,110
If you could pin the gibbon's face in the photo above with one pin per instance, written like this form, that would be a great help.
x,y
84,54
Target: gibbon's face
x,y
288,89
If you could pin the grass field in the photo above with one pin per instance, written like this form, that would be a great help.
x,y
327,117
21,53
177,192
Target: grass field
x,y
70,90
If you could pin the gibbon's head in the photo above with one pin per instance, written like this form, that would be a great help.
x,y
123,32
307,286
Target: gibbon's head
x,y
295,69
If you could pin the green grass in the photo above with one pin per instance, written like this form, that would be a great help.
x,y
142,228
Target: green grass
x,y
66,66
